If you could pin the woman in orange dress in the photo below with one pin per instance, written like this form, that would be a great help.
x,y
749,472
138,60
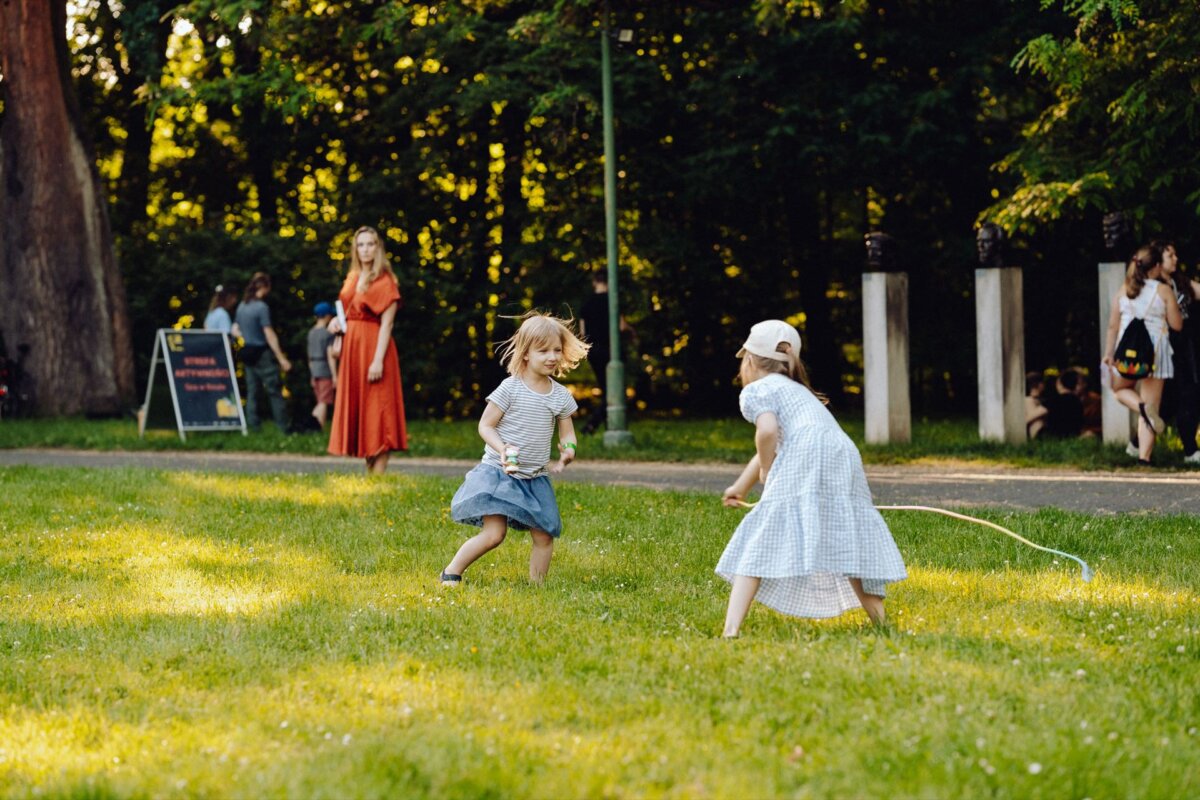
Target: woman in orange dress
x,y
368,412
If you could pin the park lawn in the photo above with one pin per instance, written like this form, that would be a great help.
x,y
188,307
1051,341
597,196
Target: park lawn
x,y
188,634
676,439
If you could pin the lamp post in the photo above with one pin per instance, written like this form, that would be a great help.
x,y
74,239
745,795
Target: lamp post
x,y
615,433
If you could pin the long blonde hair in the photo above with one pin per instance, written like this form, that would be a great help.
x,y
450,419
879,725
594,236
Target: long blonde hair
x,y
380,265
540,328
792,368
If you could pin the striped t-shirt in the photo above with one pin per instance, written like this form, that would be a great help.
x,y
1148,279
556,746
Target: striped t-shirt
x,y
529,422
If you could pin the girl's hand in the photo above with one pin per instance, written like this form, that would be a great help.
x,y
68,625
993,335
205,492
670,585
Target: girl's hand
x,y
375,371
1108,359
557,466
566,454
334,326
731,497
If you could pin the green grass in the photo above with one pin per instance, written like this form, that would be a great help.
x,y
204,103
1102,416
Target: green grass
x,y
728,440
187,634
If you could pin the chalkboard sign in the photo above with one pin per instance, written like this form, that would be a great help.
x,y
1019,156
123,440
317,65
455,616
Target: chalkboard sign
x,y
200,374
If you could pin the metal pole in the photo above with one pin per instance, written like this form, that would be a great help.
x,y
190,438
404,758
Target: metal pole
x,y
615,433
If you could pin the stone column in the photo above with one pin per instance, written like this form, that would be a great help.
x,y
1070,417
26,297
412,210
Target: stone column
x,y
885,358
1000,337
1115,418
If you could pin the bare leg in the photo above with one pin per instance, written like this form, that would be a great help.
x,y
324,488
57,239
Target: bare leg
x,y
495,527
539,557
1126,392
871,603
320,414
1150,393
740,598
378,464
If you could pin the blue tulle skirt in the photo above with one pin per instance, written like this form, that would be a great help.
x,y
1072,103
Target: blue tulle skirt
x,y
527,503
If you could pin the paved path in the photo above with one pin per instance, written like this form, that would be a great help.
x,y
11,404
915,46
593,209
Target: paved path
x,y
1103,492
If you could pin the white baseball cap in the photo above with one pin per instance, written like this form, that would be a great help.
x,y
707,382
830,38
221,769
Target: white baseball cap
x,y
766,335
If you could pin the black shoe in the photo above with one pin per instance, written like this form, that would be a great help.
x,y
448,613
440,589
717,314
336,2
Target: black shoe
x,y
450,580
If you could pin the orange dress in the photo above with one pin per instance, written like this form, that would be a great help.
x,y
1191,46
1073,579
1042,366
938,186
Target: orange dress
x,y
368,418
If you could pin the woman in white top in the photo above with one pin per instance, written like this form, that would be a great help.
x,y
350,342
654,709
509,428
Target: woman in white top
x,y
1144,296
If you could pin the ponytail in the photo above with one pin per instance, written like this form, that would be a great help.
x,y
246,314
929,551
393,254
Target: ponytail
x,y
793,368
1144,261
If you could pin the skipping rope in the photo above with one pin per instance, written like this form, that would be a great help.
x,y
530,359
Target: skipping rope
x,y
1087,571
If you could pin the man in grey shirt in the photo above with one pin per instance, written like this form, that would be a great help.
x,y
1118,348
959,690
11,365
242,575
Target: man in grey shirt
x,y
262,357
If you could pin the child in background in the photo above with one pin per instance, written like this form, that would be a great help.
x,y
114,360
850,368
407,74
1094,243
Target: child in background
x,y
322,372
814,546
510,487
223,301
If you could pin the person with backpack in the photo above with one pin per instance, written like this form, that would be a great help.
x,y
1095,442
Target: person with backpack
x,y
1138,346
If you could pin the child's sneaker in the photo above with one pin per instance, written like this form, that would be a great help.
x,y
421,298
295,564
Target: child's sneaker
x,y
1131,450
1194,458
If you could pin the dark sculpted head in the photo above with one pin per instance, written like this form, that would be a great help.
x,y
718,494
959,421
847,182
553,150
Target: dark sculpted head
x,y
989,242
881,252
1118,234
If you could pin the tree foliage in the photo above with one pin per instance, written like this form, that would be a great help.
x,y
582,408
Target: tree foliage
x,y
757,142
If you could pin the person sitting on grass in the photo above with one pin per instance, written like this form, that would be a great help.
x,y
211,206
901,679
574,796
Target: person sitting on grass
x,y
814,545
510,487
1035,410
1064,410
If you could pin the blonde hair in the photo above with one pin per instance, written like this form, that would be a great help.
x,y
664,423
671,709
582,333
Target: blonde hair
x,y
792,368
380,265
540,328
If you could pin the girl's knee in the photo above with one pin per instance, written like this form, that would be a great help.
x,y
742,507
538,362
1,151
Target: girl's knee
x,y
541,538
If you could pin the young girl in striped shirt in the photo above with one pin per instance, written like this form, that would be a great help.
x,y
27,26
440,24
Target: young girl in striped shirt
x,y
510,487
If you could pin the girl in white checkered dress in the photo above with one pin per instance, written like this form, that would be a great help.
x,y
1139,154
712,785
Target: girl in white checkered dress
x,y
814,545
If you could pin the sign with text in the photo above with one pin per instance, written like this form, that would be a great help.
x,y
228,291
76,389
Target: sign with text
x,y
200,374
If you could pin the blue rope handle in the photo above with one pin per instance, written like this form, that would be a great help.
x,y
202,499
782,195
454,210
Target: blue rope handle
x,y
1087,574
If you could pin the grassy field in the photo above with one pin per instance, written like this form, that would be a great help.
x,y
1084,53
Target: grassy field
x,y
724,440
197,635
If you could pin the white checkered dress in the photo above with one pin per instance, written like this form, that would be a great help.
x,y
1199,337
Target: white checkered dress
x,y
816,524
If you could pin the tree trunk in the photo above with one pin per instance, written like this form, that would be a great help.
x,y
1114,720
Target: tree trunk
x,y
60,290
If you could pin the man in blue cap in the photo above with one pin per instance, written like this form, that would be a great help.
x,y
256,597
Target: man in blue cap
x,y
322,362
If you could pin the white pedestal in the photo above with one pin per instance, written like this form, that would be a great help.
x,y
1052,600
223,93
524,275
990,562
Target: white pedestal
x,y
1000,336
885,358
1115,418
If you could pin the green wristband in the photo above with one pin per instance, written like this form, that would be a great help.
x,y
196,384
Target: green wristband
x,y
567,446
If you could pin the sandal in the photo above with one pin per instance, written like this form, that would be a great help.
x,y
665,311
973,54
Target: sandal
x,y
450,580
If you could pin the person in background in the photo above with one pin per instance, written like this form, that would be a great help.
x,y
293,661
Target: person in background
x,y
1144,296
218,319
262,357
1089,401
368,413
1064,410
320,362
1035,412
1185,346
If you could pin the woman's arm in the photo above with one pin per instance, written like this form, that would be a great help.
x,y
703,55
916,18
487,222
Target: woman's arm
x,y
742,486
386,321
1114,324
1174,315
487,428
273,343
